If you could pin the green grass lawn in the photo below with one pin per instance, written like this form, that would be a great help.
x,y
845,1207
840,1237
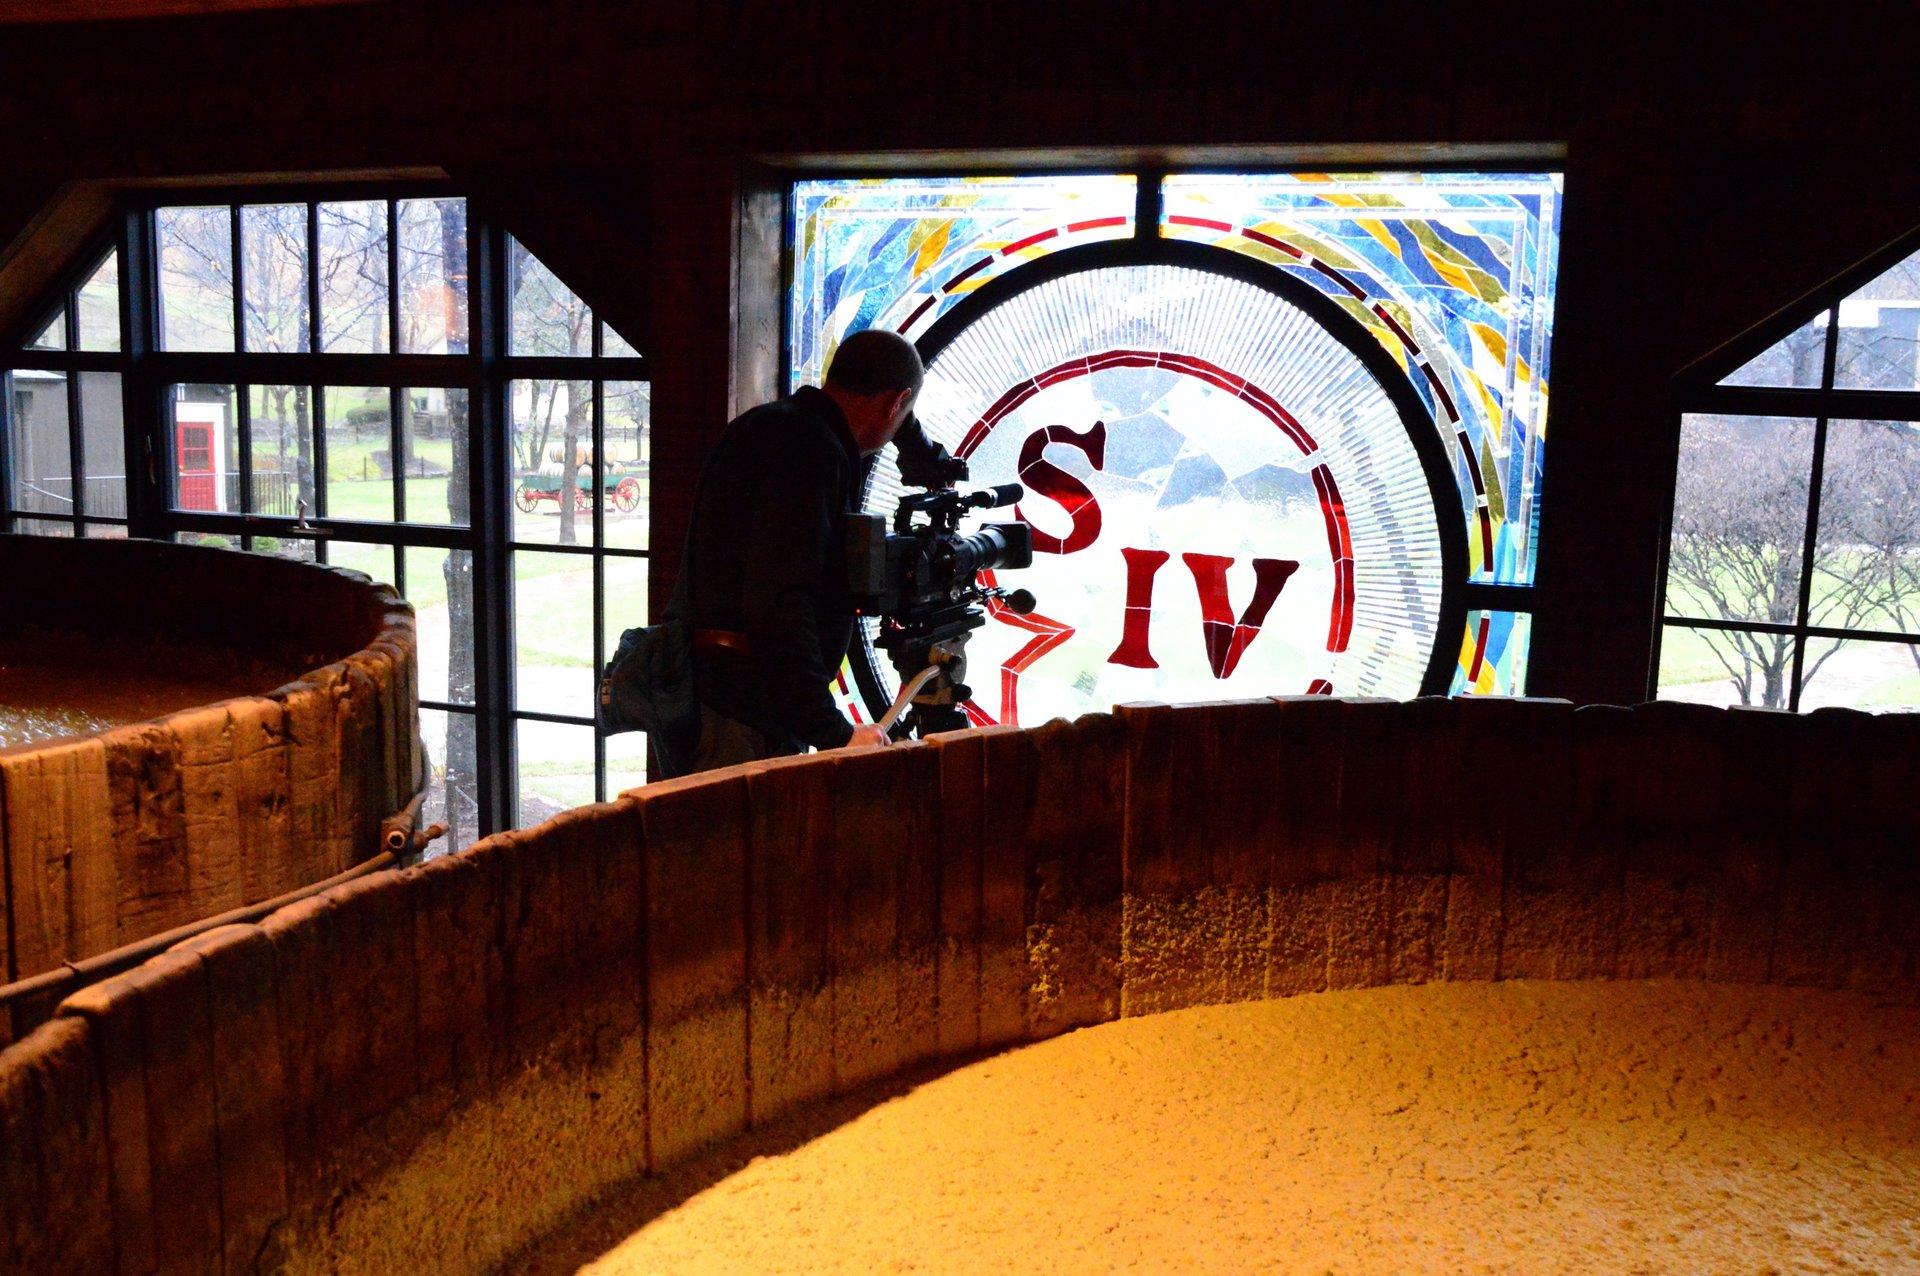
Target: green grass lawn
x,y
1894,691
1686,657
1824,604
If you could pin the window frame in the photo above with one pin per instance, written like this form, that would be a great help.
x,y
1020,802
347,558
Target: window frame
x,y
1697,389
1462,597
485,371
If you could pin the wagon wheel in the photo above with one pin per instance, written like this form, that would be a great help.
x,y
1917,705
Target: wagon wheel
x,y
626,497
581,501
526,499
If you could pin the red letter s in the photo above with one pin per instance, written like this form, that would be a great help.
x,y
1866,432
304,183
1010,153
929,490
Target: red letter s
x,y
1044,478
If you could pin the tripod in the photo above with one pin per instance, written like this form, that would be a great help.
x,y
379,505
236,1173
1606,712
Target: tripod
x,y
930,656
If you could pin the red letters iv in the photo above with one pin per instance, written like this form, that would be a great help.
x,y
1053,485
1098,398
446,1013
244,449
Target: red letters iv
x,y
1226,640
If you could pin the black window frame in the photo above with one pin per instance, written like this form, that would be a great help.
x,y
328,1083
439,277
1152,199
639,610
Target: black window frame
x,y
1697,389
485,371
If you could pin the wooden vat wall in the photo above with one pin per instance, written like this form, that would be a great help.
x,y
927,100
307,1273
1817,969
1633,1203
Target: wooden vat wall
x,y
424,1069
134,831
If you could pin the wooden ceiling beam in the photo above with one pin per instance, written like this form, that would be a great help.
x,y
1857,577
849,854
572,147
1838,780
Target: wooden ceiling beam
x,y
23,11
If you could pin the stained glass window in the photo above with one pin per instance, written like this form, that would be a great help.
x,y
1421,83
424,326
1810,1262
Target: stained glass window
x,y
1493,654
1231,475
1454,274
900,252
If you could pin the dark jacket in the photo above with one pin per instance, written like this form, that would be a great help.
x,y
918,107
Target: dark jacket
x,y
766,560
766,552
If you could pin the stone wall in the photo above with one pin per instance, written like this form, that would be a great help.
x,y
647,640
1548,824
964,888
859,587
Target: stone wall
x,y
425,1069
115,837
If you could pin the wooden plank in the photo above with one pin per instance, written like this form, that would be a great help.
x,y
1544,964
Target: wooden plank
x,y
1676,847
249,1089
368,1033
303,974
357,722
789,922
400,726
263,796
1886,962
460,965
1372,759
539,969
869,809
210,800
918,954
960,761
1005,873
1760,759
1224,753
1303,784
62,888
149,831
1561,902
1420,853
177,1036
1156,876
55,1212
1821,867
696,831
111,1011
313,769
604,886
1076,827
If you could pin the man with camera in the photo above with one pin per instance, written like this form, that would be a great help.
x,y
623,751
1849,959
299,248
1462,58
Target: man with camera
x,y
766,577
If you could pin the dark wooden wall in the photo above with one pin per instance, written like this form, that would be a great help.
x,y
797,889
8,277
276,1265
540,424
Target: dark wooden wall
x,y
1716,169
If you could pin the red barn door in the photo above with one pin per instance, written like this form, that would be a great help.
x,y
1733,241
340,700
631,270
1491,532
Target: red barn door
x,y
195,453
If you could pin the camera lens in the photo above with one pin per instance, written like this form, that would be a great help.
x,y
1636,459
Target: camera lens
x,y
995,546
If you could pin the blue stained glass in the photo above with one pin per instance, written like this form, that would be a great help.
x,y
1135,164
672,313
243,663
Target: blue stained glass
x,y
900,252
1493,654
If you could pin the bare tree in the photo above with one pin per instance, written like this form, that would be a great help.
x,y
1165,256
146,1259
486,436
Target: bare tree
x,y
548,319
1867,564
1880,355
274,314
1740,522
463,784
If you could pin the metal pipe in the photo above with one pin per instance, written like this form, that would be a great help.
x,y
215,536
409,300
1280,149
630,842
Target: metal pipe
x,y
73,976
398,836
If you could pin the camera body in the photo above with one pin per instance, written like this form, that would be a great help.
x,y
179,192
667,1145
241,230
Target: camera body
x,y
914,570
921,577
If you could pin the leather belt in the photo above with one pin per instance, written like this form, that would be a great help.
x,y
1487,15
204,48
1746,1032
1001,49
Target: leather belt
x,y
724,639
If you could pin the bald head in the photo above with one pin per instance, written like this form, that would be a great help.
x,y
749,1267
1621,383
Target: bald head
x,y
874,378
876,362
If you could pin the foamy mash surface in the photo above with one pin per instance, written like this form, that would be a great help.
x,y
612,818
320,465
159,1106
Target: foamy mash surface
x,y
1448,1128
54,685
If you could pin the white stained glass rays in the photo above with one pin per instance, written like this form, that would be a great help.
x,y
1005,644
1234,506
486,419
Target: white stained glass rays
x,y
1224,499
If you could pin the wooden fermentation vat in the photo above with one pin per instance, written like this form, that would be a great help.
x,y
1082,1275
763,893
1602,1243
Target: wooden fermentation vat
x,y
131,832
427,1069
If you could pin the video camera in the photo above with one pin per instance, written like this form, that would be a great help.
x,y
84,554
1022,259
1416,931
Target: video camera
x,y
922,579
